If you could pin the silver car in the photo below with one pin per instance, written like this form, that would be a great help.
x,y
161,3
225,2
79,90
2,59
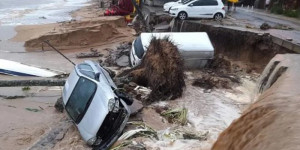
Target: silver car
x,y
91,100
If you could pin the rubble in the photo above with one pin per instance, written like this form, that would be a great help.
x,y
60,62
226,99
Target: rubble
x,y
219,73
123,61
119,56
265,26
59,105
93,53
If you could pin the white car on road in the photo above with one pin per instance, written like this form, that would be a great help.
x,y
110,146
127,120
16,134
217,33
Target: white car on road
x,y
199,9
168,5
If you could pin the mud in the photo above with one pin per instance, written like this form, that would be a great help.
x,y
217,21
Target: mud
x,y
72,34
77,37
268,123
53,136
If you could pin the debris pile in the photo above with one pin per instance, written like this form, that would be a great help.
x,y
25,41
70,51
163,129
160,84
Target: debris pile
x,y
218,74
162,70
93,53
178,115
265,26
118,57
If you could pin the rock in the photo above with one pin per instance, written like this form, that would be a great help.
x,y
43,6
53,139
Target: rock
x,y
136,107
123,61
59,106
265,26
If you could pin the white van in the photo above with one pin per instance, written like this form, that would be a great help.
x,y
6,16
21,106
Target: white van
x,y
195,47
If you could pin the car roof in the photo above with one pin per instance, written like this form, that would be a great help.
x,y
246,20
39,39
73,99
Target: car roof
x,y
185,41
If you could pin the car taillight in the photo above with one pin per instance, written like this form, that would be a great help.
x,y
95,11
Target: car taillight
x,y
223,8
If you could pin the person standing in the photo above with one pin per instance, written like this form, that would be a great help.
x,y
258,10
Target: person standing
x,y
232,3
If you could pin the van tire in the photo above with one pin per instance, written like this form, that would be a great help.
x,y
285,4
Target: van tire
x,y
218,16
182,15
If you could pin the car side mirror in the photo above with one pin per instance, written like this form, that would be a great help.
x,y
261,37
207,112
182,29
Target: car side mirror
x,y
97,75
191,5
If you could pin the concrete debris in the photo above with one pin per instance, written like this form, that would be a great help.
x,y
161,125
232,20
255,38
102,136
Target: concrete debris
x,y
219,73
93,53
162,27
123,61
59,105
210,81
136,107
118,57
265,26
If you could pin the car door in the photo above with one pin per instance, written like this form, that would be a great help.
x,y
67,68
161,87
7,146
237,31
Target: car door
x,y
211,7
194,9
203,8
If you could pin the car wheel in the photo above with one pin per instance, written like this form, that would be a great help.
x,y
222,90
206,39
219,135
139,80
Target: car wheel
x,y
182,15
218,16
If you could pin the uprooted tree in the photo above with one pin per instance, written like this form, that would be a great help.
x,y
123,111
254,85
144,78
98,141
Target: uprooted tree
x,y
162,70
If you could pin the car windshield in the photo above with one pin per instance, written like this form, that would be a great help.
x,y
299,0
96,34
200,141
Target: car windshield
x,y
138,47
185,1
80,98
86,70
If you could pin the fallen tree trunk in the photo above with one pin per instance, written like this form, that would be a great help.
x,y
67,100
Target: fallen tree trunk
x,y
41,82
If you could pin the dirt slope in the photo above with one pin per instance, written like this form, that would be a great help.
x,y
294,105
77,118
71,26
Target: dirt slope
x,y
272,122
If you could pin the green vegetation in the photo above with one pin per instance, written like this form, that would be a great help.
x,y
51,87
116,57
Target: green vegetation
x,y
178,115
292,13
26,88
278,9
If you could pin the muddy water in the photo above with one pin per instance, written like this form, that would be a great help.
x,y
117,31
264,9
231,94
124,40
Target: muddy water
x,y
210,112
